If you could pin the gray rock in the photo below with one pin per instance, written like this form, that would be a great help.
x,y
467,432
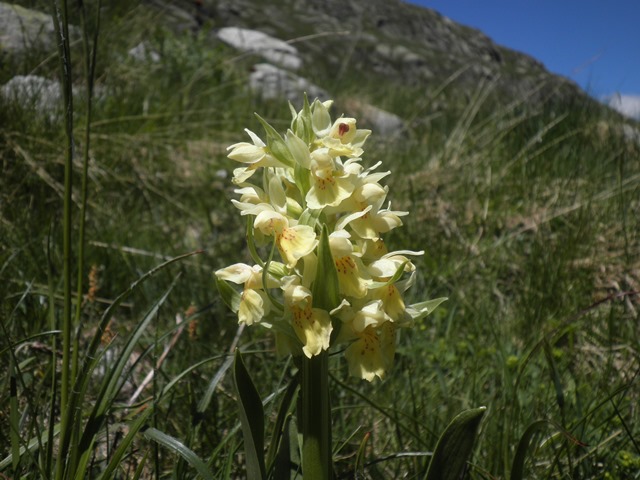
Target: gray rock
x,y
40,93
380,121
252,41
142,53
631,133
272,82
21,28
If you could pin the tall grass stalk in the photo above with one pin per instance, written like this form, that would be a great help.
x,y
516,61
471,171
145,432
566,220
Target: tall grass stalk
x,y
90,51
61,26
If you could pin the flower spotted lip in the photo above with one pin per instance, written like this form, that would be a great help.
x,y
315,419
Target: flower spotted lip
x,y
371,355
352,275
293,242
311,325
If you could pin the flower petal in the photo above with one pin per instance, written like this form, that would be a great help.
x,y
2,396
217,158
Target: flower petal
x,y
313,328
328,190
236,273
253,307
365,357
392,301
296,242
352,276
269,221
244,152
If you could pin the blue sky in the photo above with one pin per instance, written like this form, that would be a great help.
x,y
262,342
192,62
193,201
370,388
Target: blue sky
x,y
596,43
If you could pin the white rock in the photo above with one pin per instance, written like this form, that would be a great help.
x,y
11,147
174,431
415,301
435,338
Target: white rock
x,y
273,49
272,82
44,95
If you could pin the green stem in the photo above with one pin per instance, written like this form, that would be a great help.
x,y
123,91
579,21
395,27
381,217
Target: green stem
x,y
89,71
54,359
316,418
61,25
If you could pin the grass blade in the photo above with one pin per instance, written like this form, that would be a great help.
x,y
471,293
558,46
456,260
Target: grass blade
x,y
280,427
517,469
178,447
455,446
14,419
251,419
118,454
113,380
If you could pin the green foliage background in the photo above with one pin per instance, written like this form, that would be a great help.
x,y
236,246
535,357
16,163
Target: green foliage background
x,y
529,213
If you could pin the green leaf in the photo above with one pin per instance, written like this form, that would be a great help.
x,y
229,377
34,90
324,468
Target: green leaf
x,y
282,461
14,417
326,289
251,243
362,450
181,449
301,123
276,143
280,428
555,377
455,446
396,276
229,296
251,419
306,120
32,446
310,217
303,182
275,304
132,431
420,310
517,468
204,402
140,468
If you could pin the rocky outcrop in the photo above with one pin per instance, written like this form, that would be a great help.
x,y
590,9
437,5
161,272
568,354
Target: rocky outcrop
x,y
403,43
386,41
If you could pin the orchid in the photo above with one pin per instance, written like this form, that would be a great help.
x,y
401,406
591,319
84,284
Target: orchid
x,y
328,277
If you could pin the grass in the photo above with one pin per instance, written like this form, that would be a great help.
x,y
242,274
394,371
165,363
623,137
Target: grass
x,y
528,213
